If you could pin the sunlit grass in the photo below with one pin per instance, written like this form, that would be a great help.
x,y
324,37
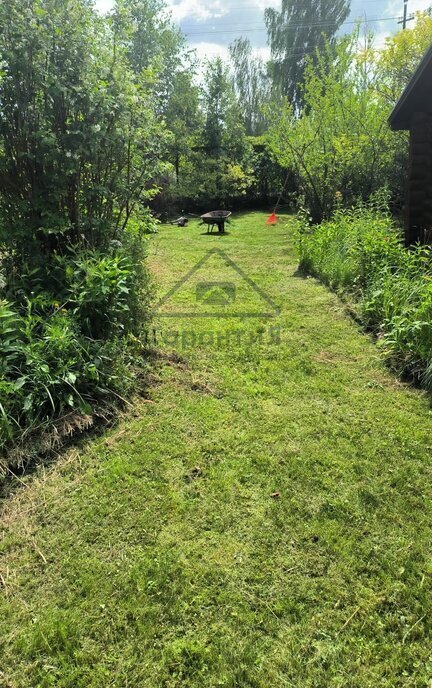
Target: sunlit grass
x,y
264,521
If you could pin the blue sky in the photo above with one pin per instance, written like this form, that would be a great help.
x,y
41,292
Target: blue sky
x,y
211,25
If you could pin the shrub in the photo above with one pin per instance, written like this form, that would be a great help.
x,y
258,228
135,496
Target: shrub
x,y
65,356
360,253
81,145
339,146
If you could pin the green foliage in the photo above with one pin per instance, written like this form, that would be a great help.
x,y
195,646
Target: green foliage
x,y
295,32
360,252
98,292
218,181
58,357
155,555
144,30
341,147
252,85
74,161
401,56
213,159
184,118
81,145
223,130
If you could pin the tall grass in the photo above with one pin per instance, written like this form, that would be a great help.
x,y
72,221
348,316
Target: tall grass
x,y
360,254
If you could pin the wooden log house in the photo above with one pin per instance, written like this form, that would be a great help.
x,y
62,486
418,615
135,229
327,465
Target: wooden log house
x,y
413,112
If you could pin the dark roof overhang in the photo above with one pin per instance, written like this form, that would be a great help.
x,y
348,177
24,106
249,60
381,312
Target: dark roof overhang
x,y
417,96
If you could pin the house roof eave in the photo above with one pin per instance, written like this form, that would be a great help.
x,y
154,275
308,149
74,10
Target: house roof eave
x,y
399,119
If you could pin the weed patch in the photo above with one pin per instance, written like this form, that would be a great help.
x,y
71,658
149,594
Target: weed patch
x,y
360,254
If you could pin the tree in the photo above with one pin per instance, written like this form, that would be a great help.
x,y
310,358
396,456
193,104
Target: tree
x,y
215,166
150,40
251,84
80,142
184,119
341,147
402,54
81,145
294,33
223,129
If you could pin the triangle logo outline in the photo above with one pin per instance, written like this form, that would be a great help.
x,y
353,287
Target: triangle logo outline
x,y
275,309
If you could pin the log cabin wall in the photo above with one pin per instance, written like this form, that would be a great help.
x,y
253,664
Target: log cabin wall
x,y
419,205
413,112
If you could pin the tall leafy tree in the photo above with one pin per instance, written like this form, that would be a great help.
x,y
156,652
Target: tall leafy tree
x,y
217,166
151,42
150,39
402,54
294,34
80,143
223,130
340,146
251,84
184,118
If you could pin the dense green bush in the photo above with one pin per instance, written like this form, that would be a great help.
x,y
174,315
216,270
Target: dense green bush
x,y
360,253
214,165
66,351
82,144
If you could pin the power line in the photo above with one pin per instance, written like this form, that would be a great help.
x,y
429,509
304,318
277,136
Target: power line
x,y
262,9
317,24
324,23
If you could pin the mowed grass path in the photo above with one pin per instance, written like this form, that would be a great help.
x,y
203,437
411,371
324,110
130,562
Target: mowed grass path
x,y
159,556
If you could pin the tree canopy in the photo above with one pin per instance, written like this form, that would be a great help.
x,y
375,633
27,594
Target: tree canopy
x,y
295,32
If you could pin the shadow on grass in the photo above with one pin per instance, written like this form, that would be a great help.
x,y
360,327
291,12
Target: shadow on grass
x,y
44,448
300,273
219,234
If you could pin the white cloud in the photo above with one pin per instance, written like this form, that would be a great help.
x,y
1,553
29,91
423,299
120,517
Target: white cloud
x,y
263,4
263,53
380,39
207,51
394,7
104,5
182,9
194,9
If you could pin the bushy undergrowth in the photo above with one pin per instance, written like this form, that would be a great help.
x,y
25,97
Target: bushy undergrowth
x,y
360,252
73,339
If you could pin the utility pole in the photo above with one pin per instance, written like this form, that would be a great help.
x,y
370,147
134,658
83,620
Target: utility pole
x,y
405,19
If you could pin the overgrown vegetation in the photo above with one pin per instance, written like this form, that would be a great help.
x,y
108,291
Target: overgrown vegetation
x,y
341,147
99,116
339,144
218,165
103,117
80,149
262,519
361,254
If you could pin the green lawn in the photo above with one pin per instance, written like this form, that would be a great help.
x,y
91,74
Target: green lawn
x,y
263,519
